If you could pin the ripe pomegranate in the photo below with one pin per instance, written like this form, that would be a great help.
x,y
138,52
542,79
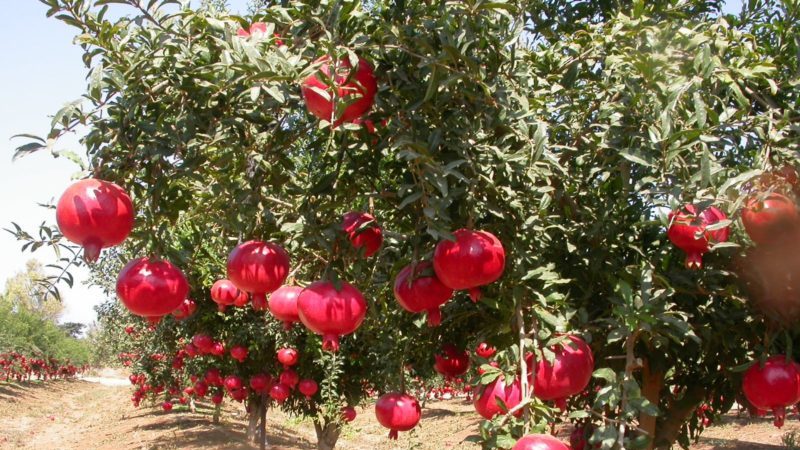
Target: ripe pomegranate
x,y
200,388
348,413
167,406
308,388
95,214
539,442
260,382
356,91
688,223
767,219
569,374
232,383
577,439
225,293
288,357
203,343
151,288
187,308
453,362
280,392
217,398
363,232
331,313
239,353
474,259
258,268
213,377
283,305
417,289
289,378
486,397
218,349
484,350
775,386
397,412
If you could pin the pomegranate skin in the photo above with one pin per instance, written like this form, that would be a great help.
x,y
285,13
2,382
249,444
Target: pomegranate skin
x,y
349,413
358,93
258,268
280,392
260,383
775,386
95,214
539,442
151,288
569,374
485,350
451,363
225,293
369,239
397,412
474,259
418,292
484,398
686,223
308,388
288,357
186,310
766,220
239,353
283,305
331,313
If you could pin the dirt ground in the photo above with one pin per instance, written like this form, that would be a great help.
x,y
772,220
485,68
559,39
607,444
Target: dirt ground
x,y
98,414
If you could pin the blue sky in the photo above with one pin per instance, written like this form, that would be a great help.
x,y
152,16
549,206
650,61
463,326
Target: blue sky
x,y
43,71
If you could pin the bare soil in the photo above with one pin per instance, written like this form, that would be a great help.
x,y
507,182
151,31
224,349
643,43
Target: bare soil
x,y
98,414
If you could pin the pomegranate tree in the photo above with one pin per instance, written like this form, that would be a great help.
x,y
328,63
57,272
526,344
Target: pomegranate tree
x,y
336,85
472,260
417,289
774,386
331,312
397,412
258,268
95,214
688,231
151,288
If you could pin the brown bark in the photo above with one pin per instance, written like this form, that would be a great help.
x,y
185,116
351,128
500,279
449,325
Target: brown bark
x,y
327,435
217,411
669,427
652,383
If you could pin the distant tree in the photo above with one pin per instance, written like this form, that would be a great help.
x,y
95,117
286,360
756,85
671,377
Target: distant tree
x,y
73,329
26,290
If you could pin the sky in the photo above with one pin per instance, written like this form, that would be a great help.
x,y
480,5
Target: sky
x,y
44,71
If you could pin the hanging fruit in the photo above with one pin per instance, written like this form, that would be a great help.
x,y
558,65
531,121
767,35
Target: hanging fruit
x,y
775,386
151,288
485,401
397,412
417,289
767,219
474,259
283,305
258,268
539,442
567,375
95,214
330,312
225,293
341,87
688,231
363,231
452,362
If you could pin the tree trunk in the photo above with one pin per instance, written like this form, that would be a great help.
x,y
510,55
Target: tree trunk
x,y
652,383
253,416
262,431
669,428
327,435
217,411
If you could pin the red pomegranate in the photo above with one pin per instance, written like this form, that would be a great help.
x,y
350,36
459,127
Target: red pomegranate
x,y
357,92
484,350
348,413
289,378
577,439
217,349
452,362
539,442
217,398
239,353
421,291
187,308
260,382
775,386
203,343
280,392
200,388
397,412
486,397
213,377
474,259
363,232
151,288
283,305
288,357
330,312
166,406
686,224
232,383
569,374
767,219
225,293
95,214
308,388
258,268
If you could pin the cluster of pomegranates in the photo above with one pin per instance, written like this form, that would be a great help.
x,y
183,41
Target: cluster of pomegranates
x,y
18,367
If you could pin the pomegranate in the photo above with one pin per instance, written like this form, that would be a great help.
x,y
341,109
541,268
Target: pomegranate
x,y
167,406
308,388
203,343
200,388
331,313
151,288
213,377
453,362
260,382
95,214
363,232
569,374
687,224
397,412
356,91
417,289
577,439
474,259
539,442
767,219
484,350
217,398
239,353
289,378
288,357
217,349
348,413
283,305
187,308
280,392
486,397
225,293
258,268
232,383
775,386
